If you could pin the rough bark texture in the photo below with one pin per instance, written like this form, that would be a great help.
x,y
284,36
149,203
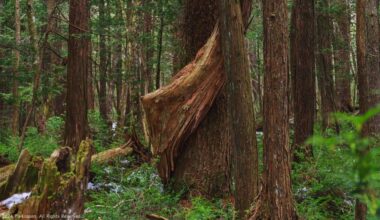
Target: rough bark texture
x,y
342,57
15,93
368,57
103,105
372,61
175,111
240,105
76,126
303,75
204,165
324,63
197,23
275,199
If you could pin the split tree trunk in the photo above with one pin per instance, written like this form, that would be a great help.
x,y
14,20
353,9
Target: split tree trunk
x,y
204,165
275,200
303,76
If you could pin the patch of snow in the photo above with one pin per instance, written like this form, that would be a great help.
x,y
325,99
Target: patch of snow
x,y
114,187
15,199
114,125
125,162
107,170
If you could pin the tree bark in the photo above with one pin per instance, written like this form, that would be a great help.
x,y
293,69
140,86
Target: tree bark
x,y
76,126
103,105
324,63
204,165
159,43
368,57
240,105
275,200
303,76
15,92
342,57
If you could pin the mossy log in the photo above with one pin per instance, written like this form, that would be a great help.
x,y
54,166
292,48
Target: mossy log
x,y
62,181
175,111
100,158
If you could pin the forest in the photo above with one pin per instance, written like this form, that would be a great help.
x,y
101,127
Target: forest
x,y
190,109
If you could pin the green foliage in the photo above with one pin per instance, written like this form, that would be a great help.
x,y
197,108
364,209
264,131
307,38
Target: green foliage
x,y
345,168
133,193
100,131
36,143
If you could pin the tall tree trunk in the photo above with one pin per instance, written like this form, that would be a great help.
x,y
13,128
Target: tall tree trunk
x,y
324,62
15,92
120,103
303,75
159,43
4,81
103,105
205,164
76,127
240,104
342,57
368,57
275,200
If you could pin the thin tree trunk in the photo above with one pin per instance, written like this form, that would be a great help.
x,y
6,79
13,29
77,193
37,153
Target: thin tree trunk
x,y
240,105
324,63
38,57
76,126
15,92
103,104
159,44
275,200
303,76
342,57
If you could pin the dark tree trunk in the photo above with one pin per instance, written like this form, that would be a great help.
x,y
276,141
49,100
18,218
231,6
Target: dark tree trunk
x,y
240,105
342,57
159,44
275,200
76,127
15,92
368,56
324,63
103,104
303,75
205,164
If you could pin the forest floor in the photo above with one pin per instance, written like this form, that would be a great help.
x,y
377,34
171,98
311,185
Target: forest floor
x,y
129,189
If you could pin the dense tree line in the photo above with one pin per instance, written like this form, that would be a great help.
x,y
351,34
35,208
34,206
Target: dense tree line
x,y
197,81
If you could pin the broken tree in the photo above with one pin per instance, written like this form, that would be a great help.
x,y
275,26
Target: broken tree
x,y
175,112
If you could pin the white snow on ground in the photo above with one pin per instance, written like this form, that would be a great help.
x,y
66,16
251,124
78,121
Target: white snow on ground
x,y
15,199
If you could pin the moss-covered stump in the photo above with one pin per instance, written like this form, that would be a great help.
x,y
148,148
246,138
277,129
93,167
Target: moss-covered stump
x,y
59,192
23,177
